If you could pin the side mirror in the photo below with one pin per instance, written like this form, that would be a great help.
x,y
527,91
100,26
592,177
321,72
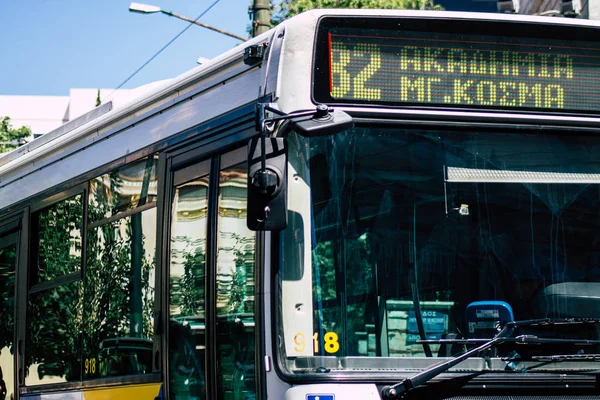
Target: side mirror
x,y
267,160
267,184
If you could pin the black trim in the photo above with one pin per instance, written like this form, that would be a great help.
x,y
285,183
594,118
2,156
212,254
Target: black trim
x,y
462,119
259,316
165,203
10,225
61,280
187,174
510,128
6,239
234,121
211,279
160,279
11,235
21,296
84,236
58,197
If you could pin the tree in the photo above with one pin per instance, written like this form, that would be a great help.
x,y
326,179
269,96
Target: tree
x,y
289,8
11,138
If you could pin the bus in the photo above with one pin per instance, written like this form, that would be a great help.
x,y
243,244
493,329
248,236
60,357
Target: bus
x,y
357,204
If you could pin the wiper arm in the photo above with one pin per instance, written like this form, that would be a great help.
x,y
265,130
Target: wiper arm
x,y
397,390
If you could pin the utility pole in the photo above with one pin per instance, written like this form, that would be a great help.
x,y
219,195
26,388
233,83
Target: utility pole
x,y
261,10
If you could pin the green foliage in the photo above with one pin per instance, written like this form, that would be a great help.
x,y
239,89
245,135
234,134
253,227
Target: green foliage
x,y
11,138
191,293
289,8
243,251
54,315
59,239
98,99
54,323
101,306
109,275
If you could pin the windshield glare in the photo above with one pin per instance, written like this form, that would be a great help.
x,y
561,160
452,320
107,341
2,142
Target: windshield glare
x,y
468,227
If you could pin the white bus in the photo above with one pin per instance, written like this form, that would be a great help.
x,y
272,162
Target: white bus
x,y
355,205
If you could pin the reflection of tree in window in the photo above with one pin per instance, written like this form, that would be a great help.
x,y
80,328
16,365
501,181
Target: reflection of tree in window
x,y
119,282
54,310
59,239
188,249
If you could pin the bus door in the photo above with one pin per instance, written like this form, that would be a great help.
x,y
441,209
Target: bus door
x,y
211,281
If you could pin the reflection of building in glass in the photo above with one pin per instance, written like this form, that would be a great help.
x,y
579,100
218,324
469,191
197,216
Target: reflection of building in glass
x,y
188,248
235,259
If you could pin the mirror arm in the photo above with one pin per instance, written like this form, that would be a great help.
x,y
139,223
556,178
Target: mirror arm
x,y
319,112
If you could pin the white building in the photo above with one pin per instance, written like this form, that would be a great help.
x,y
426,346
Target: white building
x,y
43,114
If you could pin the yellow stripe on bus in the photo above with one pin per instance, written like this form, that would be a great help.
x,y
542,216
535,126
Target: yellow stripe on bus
x,y
141,392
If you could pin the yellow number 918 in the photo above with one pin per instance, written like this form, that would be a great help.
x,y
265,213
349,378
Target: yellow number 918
x,y
330,346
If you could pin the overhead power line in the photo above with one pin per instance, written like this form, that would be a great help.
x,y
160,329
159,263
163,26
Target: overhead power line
x,y
214,3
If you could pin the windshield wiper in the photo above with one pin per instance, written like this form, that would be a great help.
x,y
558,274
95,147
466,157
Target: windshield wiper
x,y
521,339
567,357
504,336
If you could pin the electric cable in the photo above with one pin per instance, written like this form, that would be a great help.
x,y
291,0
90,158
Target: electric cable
x,y
214,3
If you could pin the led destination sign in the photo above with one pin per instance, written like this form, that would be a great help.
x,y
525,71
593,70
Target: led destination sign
x,y
458,70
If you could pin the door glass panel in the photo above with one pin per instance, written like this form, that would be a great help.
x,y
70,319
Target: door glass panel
x,y
235,289
186,290
8,258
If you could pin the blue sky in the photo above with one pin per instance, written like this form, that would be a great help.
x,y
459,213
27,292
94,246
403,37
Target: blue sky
x,y
50,46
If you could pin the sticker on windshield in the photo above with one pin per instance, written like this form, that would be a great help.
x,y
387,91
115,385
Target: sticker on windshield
x,y
487,313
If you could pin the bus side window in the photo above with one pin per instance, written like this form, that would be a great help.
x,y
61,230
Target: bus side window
x,y
119,274
55,296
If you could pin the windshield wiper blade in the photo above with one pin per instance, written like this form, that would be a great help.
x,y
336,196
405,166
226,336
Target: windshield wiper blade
x,y
504,336
533,339
554,321
522,339
567,357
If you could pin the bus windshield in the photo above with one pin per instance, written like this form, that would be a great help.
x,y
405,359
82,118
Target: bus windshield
x,y
401,235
